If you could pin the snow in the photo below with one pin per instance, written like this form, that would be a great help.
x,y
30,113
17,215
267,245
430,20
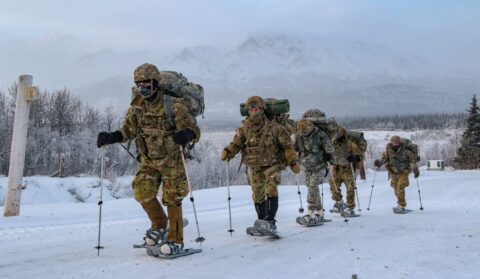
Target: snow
x,y
56,239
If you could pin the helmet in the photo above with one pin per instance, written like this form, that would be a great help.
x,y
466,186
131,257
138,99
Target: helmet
x,y
146,72
304,127
255,101
313,113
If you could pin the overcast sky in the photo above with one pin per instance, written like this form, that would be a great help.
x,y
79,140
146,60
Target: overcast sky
x,y
437,30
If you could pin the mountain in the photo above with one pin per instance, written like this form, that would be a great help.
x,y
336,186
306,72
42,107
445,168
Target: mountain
x,y
342,77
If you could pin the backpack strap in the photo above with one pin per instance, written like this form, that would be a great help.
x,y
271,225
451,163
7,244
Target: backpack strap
x,y
169,112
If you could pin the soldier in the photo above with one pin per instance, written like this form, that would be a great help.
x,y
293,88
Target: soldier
x,y
346,153
266,148
400,162
158,144
314,148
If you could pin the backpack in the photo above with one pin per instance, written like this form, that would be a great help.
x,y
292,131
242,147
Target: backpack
x,y
412,147
359,139
190,94
328,125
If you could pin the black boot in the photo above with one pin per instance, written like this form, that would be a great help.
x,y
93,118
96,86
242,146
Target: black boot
x,y
261,209
272,207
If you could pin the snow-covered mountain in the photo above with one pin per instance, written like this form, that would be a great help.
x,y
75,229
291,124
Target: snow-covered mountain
x,y
340,76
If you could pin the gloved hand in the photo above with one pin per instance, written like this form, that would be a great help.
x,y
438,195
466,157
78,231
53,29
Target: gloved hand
x,y
295,167
105,138
416,172
226,155
327,157
353,158
183,136
377,163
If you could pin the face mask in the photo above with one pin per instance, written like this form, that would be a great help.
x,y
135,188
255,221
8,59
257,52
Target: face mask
x,y
144,91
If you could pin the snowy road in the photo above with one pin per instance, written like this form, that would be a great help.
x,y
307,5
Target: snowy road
x,y
443,241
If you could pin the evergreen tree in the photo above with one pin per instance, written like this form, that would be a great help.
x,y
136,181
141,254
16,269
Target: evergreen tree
x,y
468,155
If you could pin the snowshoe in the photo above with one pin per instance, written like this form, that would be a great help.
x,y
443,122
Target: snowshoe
x,y
254,231
170,250
267,228
401,210
338,207
154,237
349,212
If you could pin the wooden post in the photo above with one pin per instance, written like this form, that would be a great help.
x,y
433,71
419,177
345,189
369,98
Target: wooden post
x,y
61,159
25,94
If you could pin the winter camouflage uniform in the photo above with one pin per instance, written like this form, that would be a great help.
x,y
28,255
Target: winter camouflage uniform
x,y
342,169
266,148
160,157
313,145
400,162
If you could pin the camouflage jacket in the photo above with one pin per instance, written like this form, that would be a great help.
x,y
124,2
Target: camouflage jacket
x,y
398,160
267,145
342,150
312,148
147,122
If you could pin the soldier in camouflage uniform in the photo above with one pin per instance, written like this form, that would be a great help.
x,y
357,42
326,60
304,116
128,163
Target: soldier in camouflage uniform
x,y
346,153
314,147
266,148
158,144
400,162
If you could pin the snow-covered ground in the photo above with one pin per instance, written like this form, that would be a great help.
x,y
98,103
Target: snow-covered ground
x,y
56,240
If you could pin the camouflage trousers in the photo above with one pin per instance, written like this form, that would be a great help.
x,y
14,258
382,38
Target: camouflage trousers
x,y
171,175
399,181
313,177
342,174
264,182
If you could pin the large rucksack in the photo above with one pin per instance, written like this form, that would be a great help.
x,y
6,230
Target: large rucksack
x,y
359,139
190,94
412,147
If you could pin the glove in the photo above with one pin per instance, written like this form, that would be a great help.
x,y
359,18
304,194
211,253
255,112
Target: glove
x,y
226,155
295,167
183,137
377,163
353,158
327,157
416,172
105,138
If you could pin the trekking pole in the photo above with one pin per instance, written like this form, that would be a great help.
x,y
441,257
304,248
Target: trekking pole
x,y
338,189
323,207
299,194
371,190
419,196
356,192
100,202
199,239
229,198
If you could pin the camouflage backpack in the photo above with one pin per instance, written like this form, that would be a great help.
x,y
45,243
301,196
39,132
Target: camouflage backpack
x,y
317,117
359,139
410,146
189,93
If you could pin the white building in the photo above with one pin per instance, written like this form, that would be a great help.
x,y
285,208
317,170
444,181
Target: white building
x,y
435,165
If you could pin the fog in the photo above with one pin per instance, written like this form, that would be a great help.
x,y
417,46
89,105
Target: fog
x,y
364,49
